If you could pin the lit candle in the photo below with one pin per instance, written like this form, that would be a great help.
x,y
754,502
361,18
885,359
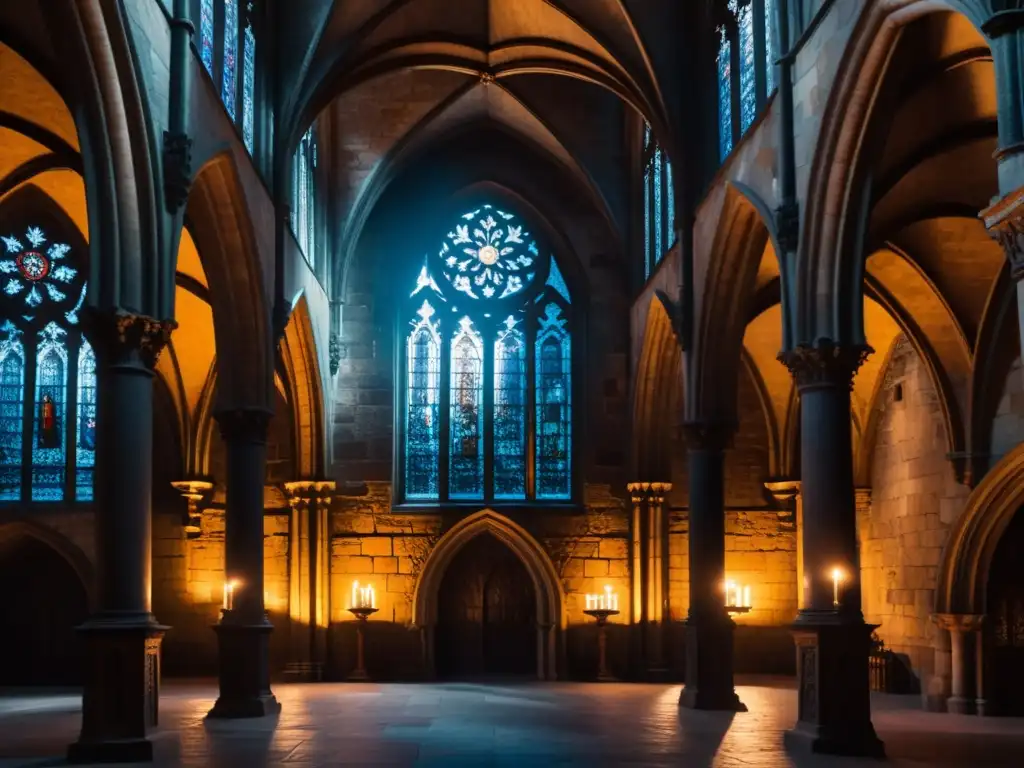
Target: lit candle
x,y
608,598
355,593
229,595
746,597
226,589
837,576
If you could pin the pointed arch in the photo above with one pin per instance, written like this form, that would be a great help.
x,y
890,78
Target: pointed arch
x,y
551,615
304,383
657,395
17,529
223,231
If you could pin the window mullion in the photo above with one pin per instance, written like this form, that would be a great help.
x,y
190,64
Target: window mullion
x,y
28,402
444,442
760,54
488,335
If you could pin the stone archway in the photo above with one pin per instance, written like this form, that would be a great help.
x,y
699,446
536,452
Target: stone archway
x,y
550,608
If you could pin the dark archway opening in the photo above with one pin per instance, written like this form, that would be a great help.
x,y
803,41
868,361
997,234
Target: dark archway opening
x,y
487,614
44,602
1005,624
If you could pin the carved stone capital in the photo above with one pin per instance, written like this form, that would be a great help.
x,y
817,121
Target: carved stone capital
x,y
784,492
959,622
196,493
638,491
702,436
1004,221
244,425
122,335
655,492
177,160
309,493
826,364
336,353
787,226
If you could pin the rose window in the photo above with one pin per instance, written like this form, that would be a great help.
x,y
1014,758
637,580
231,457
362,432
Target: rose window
x,y
37,271
489,255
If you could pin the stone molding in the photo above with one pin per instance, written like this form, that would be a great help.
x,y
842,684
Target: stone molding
x,y
122,334
959,622
247,425
1004,221
309,493
783,491
195,492
641,490
826,364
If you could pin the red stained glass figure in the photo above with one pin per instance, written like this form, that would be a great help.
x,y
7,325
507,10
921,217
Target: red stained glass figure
x,y
49,432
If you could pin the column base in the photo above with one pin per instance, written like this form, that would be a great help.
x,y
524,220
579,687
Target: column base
x,y
120,700
358,676
958,705
709,678
244,674
833,687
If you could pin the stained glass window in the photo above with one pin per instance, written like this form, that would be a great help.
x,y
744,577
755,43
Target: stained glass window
x,y
648,251
85,437
469,370
249,88
748,94
50,436
304,196
659,202
510,411
554,405
769,43
12,416
206,34
41,294
724,93
229,74
466,455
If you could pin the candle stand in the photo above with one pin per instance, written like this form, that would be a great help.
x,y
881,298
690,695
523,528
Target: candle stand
x,y
362,613
601,615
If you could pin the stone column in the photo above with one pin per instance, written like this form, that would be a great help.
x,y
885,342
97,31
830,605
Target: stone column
x,y
709,629
122,639
649,555
243,634
309,571
832,639
964,638
1005,218
637,605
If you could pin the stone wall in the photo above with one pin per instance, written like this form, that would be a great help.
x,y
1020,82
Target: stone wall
x,y
915,499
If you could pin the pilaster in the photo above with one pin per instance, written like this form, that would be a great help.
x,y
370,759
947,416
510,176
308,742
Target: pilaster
x,y
122,639
309,573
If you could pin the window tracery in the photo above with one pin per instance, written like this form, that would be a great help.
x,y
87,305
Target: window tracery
x,y
495,330
659,202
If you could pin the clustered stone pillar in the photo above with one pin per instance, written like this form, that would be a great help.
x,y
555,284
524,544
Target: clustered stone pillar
x,y
649,555
243,634
832,639
309,572
122,639
709,629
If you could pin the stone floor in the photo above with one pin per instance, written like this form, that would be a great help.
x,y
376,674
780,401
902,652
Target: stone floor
x,y
503,725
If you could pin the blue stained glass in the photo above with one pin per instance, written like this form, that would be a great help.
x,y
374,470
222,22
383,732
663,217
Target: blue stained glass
x,y
748,92
556,281
670,206
659,244
554,406
490,254
229,84
249,89
466,451
724,94
422,410
648,256
85,438
206,34
303,221
510,412
12,393
49,446
769,43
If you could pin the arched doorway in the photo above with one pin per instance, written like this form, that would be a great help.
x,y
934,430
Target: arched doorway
x,y
486,614
45,602
1004,629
